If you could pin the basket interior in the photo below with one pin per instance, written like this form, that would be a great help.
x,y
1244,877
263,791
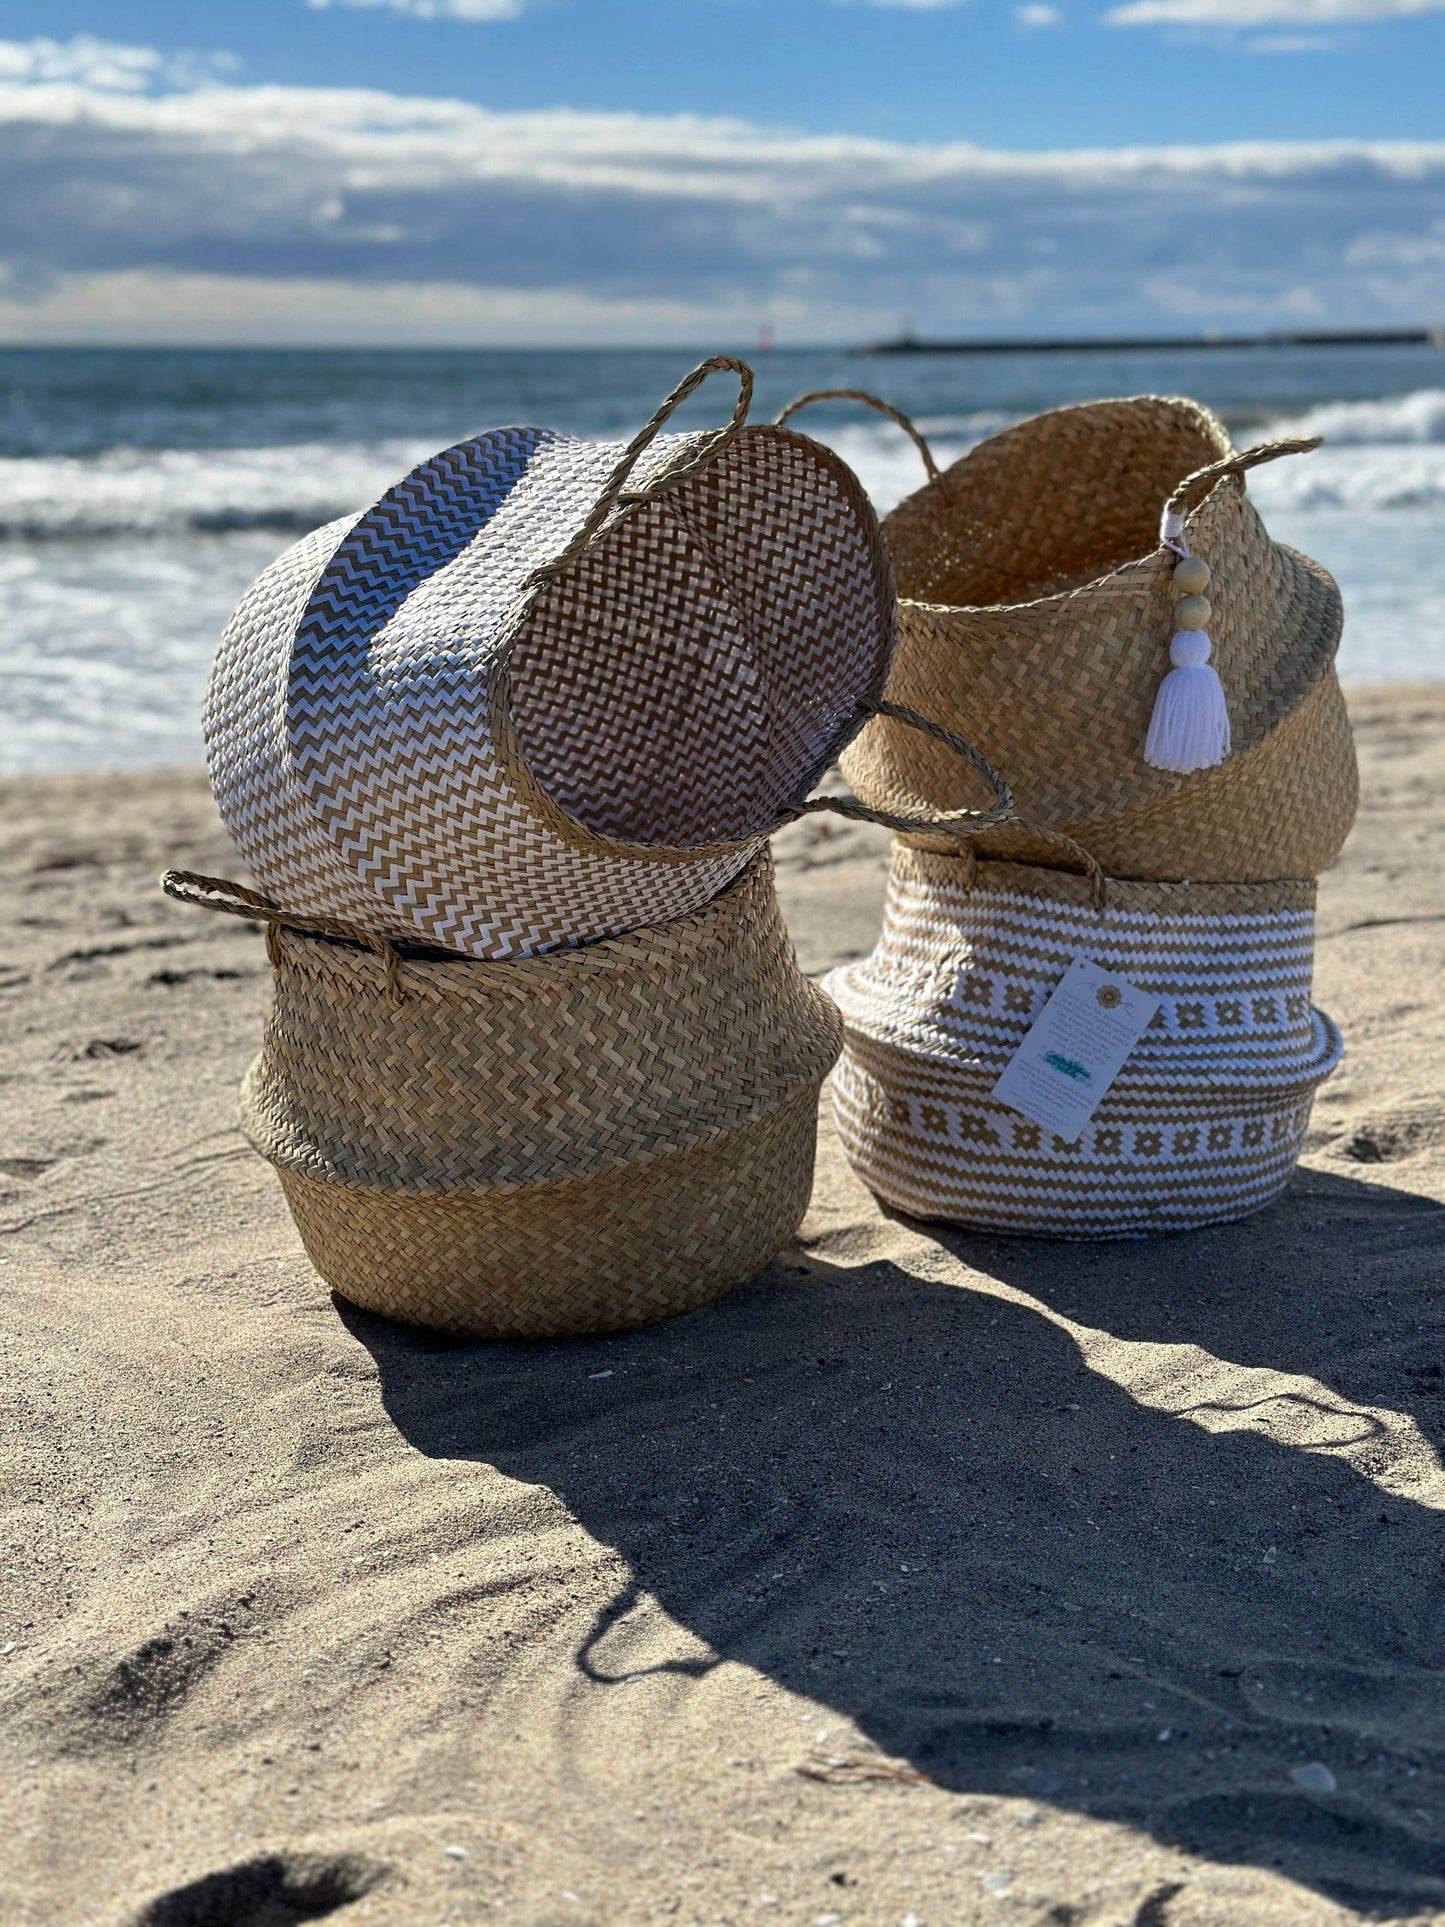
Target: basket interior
x,y
694,672
1051,504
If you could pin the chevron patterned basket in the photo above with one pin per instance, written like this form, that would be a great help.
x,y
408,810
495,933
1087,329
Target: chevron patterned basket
x,y
571,1143
1204,1124
549,690
1034,618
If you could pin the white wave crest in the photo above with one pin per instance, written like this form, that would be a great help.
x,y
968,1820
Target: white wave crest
x,y
180,491
1414,418
1363,478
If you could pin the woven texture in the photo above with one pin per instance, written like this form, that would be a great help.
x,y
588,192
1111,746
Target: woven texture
x,y
627,1247
931,1141
552,1144
1036,608
1204,1123
438,724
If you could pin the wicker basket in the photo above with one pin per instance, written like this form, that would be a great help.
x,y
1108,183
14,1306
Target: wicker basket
x,y
572,1143
1204,1124
1035,616
548,690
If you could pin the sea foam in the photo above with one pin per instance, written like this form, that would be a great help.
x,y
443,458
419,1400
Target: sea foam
x,y
182,491
1417,417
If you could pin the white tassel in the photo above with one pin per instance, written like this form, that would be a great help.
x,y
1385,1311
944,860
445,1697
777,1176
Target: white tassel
x,y
1190,726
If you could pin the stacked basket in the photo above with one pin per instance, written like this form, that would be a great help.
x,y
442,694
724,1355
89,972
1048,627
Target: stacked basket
x,y
503,754
1036,609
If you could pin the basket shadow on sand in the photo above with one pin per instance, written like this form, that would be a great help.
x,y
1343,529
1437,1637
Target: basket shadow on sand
x,y
1135,1530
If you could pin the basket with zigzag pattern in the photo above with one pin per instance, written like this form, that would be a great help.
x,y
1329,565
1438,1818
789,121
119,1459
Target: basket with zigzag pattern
x,y
548,690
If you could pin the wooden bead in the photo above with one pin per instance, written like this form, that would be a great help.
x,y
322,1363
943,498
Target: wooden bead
x,y
1191,577
1192,611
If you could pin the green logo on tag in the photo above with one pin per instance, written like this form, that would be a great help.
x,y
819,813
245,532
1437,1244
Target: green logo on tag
x,y
1068,1067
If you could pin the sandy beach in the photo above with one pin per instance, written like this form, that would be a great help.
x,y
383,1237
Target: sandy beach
x,y
932,1578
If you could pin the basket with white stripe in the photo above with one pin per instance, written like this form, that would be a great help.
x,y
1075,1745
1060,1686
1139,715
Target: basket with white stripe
x,y
549,690
1204,1124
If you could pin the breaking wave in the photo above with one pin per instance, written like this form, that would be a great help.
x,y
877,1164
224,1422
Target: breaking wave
x,y
1415,418
183,491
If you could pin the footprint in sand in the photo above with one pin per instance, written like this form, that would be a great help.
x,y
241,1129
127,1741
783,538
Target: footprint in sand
x,y
1383,1140
113,1701
170,979
101,1047
149,1683
25,1168
28,1169
273,1890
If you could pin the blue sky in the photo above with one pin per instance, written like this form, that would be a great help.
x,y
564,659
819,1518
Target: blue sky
x,y
966,71
658,170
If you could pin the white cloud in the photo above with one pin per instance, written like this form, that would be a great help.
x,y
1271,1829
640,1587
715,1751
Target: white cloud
x,y
106,65
1293,43
1036,15
437,9
1263,13
92,63
128,197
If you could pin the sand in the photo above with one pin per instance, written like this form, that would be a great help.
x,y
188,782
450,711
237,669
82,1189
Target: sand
x,y
1108,1579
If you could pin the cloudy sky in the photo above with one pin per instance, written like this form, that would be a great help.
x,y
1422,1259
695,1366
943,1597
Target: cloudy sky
x,y
650,171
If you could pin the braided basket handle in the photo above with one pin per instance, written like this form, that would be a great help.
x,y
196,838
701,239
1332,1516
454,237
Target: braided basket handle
x,y
1075,855
235,900
959,823
1084,860
880,407
1192,488
614,490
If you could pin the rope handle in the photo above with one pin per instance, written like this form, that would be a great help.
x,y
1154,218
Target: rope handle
x,y
1178,502
915,435
961,823
1087,862
1078,856
513,976
217,893
235,900
613,490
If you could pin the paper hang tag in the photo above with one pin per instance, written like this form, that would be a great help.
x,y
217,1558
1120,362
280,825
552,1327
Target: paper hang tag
x,y
1075,1048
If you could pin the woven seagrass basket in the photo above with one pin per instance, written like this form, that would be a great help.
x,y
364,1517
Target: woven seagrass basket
x,y
1035,614
548,690
572,1143
1204,1124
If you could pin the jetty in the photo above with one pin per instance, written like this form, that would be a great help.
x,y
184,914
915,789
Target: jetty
x,y
1108,344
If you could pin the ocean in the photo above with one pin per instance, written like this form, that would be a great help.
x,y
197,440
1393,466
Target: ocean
x,y
141,490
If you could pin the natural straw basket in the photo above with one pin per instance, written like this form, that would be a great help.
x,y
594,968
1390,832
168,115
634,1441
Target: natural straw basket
x,y
1035,613
1204,1124
549,690
572,1143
